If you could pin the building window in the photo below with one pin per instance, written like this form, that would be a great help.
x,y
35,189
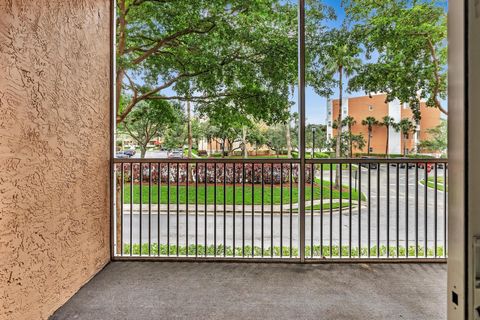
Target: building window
x,y
370,108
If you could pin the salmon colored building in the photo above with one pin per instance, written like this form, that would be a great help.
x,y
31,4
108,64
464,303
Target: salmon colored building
x,y
376,106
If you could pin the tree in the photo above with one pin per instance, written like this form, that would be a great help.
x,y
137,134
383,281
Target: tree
x,y
388,122
438,140
147,121
276,138
369,122
408,38
405,126
349,122
240,52
175,136
256,137
349,141
338,56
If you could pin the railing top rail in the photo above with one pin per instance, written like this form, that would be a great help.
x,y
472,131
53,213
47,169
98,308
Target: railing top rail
x,y
375,160
281,160
206,160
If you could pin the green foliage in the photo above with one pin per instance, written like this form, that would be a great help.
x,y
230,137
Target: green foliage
x,y
276,138
408,39
438,139
149,119
239,54
316,251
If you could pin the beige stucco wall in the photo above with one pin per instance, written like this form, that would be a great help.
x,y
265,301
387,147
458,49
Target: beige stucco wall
x,y
54,151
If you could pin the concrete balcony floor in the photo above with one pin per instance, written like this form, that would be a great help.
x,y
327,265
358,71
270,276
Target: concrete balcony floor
x,y
171,290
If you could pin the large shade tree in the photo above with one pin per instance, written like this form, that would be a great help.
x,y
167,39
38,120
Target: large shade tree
x,y
151,119
406,42
217,53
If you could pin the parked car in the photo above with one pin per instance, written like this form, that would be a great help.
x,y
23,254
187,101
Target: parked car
x,y
130,152
175,154
430,166
404,164
369,165
121,155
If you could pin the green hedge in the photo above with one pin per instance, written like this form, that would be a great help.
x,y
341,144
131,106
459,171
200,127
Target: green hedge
x,y
317,251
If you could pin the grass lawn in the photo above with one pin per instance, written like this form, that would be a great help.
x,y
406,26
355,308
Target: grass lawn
x,y
256,197
431,183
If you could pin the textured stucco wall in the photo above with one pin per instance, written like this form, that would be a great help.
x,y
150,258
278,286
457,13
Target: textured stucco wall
x,y
54,151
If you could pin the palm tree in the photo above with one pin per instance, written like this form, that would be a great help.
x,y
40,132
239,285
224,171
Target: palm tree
x,y
387,122
369,122
405,126
349,122
341,57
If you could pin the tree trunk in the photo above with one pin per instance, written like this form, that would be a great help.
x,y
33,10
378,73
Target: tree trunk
x,y
388,138
350,141
338,151
289,140
189,129
288,135
244,142
369,137
143,151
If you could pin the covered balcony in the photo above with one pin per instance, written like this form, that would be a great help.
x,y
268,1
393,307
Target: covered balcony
x,y
87,235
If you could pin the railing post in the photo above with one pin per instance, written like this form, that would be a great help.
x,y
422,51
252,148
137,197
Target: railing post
x,y
301,108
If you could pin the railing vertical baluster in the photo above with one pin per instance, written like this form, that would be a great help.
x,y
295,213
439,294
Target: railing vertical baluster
x,y
340,168
141,203
253,210
397,211
131,208
359,210
435,210
312,197
243,209
196,209
291,209
187,176
350,210
388,210
159,203
331,210
168,209
321,210
281,210
215,209
406,209
205,216
378,209
445,209
416,210
224,209
149,208
178,208
271,210
122,191
234,207
263,209
369,212
425,204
